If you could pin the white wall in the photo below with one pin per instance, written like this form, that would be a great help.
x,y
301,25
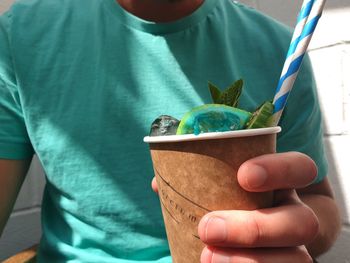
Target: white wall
x,y
330,54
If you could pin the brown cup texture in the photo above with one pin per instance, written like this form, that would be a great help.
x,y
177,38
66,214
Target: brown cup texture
x,y
197,177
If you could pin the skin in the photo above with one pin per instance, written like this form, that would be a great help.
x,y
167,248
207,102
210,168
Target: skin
x,y
160,10
12,174
303,222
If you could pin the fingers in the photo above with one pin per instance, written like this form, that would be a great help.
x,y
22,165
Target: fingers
x,y
284,226
277,171
282,255
154,185
276,234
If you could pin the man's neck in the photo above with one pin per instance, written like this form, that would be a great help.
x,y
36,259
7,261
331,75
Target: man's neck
x,y
160,10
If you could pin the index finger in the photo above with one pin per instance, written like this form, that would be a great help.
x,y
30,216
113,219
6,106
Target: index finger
x,y
277,171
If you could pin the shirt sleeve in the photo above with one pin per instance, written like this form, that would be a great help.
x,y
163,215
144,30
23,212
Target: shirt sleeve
x,y
14,139
301,122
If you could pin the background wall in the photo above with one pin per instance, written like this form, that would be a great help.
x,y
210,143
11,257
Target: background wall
x,y
330,54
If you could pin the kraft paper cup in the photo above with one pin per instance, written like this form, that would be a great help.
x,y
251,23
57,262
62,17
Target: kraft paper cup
x,y
196,174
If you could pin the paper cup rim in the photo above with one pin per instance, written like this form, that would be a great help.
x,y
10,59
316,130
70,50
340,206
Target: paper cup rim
x,y
212,135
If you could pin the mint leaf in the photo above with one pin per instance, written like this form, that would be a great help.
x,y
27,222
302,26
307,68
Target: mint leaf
x,y
262,116
232,93
215,93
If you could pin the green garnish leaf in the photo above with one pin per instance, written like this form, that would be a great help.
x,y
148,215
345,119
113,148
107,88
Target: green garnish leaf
x,y
229,96
262,116
232,93
215,93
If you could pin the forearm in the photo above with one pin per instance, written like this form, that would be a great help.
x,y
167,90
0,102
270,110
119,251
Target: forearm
x,y
9,192
12,174
328,215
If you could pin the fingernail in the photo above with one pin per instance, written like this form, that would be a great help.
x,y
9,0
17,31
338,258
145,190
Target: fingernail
x,y
257,176
209,256
219,258
215,230
206,256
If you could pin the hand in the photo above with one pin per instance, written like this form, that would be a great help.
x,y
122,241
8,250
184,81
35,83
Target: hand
x,y
277,234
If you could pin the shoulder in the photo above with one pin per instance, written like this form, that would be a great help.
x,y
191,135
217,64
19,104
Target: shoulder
x,y
254,21
252,15
43,12
23,7
36,20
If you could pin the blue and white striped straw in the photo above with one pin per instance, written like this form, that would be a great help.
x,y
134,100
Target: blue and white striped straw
x,y
309,15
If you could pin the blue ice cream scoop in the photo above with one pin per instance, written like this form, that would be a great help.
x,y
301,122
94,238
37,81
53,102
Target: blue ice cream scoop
x,y
213,118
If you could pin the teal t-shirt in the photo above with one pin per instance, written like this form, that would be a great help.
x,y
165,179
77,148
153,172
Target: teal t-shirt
x,y
81,81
